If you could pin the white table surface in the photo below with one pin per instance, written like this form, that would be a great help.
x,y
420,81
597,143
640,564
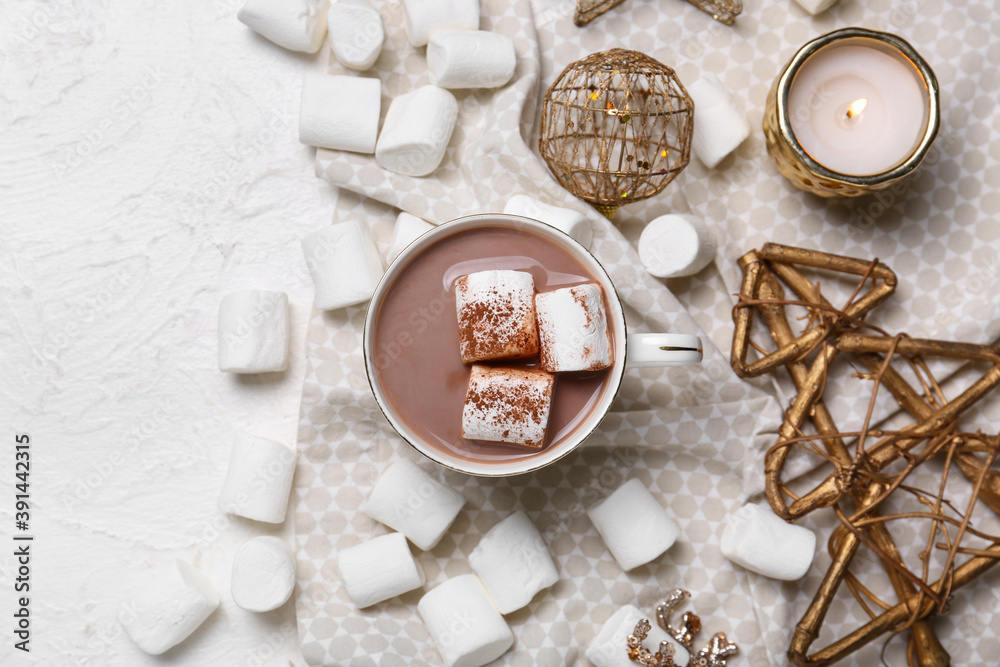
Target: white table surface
x,y
149,164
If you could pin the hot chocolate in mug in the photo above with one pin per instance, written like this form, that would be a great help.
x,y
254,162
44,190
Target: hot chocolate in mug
x,y
411,341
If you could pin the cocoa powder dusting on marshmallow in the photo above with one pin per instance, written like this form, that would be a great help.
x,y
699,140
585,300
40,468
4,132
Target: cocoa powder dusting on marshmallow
x,y
573,329
497,322
511,401
581,299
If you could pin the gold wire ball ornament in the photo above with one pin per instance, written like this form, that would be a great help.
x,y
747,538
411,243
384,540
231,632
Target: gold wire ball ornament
x,y
616,128
724,11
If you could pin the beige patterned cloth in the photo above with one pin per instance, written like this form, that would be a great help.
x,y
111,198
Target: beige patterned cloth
x,y
694,436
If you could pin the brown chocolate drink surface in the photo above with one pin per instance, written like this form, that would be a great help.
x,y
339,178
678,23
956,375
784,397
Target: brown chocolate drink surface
x,y
416,340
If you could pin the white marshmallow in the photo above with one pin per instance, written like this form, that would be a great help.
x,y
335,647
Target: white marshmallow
x,y
573,329
345,264
815,7
379,569
720,125
253,332
263,574
465,626
299,25
470,59
423,18
608,647
356,33
513,562
565,220
496,315
762,542
408,228
406,498
416,132
507,405
169,608
672,246
259,479
634,525
340,112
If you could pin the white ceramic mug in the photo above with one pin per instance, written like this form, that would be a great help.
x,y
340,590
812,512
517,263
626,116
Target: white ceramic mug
x,y
631,350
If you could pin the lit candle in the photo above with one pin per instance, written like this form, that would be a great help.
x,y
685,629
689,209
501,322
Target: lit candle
x,y
854,111
857,109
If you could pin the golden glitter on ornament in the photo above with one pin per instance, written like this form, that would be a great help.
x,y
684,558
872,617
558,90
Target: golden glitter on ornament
x,y
588,10
724,11
715,654
602,153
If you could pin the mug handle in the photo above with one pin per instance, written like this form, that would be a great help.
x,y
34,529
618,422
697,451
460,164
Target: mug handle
x,y
662,349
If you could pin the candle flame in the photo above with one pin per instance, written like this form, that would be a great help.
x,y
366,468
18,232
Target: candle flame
x,y
856,107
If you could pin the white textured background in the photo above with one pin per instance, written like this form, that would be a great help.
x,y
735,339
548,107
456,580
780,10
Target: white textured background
x,y
149,163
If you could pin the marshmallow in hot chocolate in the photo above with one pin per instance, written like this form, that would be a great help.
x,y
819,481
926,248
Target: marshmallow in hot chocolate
x,y
496,315
573,329
507,405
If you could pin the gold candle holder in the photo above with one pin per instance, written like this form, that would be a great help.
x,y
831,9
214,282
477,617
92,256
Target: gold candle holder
x,y
798,166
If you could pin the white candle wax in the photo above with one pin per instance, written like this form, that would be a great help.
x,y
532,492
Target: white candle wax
x,y
858,109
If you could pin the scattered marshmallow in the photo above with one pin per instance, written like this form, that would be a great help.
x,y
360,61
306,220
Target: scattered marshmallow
x,y
406,498
169,608
299,25
465,626
263,574
507,405
253,332
513,562
633,525
423,18
470,59
345,264
340,112
719,123
672,246
815,7
762,542
496,315
573,329
379,569
356,33
565,220
259,479
608,647
408,228
417,130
